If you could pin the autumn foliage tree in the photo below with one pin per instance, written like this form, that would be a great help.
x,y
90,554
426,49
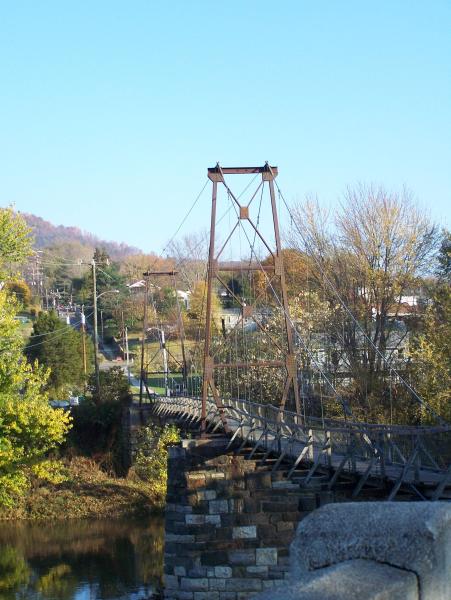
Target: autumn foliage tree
x,y
29,427
372,254
431,349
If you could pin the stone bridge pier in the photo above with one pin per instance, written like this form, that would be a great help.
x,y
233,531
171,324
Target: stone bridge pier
x,y
229,522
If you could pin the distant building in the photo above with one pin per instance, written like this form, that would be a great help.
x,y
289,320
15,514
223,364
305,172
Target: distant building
x,y
184,297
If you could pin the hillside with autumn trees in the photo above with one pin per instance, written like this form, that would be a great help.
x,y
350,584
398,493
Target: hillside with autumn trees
x,y
47,235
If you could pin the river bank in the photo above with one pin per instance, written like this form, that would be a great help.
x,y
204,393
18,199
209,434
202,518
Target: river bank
x,y
87,492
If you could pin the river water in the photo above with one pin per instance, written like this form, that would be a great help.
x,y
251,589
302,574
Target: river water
x,y
81,560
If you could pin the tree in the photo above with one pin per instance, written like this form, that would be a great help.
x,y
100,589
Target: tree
x,y
430,349
197,311
65,265
29,427
108,277
190,256
15,241
58,347
378,249
165,302
133,266
114,387
20,290
444,258
152,454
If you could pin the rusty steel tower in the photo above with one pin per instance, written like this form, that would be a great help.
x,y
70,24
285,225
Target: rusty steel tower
x,y
274,271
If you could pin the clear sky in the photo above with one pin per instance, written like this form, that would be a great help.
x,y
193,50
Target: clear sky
x,y
111,112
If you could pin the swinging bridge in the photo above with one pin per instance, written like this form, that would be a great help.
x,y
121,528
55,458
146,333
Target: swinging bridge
x,y
286,370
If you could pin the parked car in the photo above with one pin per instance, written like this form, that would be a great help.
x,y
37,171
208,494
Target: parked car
x,y
59,403
74,401
22,319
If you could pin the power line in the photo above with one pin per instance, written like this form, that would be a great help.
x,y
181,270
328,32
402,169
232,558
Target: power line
x,y
57,333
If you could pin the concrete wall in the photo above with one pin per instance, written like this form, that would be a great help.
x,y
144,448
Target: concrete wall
x,y
374,550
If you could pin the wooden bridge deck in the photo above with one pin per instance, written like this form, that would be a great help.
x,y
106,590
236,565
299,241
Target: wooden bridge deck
x,y
416,459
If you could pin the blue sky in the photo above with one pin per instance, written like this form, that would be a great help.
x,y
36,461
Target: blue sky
x,y
111,112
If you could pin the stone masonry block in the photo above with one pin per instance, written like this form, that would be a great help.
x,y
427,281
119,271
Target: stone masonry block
x,y
223,571
266,556
171,582
245,584
196,475
246,532
194,584
180,508
350,580
242,557
180,539
217,584
415,536
195,519
207,495
218,506
262,571
197,571
213,520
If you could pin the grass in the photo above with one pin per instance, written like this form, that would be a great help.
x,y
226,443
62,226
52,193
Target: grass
x,y
88,492
154,359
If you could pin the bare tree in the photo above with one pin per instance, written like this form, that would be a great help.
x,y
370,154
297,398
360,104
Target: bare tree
x,y
366,259
190,255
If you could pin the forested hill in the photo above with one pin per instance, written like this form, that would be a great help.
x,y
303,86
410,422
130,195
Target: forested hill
x,y
48,235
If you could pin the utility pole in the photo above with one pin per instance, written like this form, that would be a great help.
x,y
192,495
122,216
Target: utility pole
x,y
83,337
123,333
182,339
101,327
165,361
125,344
96,360
143,340
127,354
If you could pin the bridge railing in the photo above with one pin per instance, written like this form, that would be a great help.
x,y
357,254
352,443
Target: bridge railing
x,y
405,455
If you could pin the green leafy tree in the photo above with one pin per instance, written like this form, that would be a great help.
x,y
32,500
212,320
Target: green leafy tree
x,y
165,301
29,427
114,387
444,258
15,241
21,291
108,276
430,349
151,458
58,347
195,316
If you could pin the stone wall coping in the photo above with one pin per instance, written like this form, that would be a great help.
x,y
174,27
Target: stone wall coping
x,y
415,536
350,580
